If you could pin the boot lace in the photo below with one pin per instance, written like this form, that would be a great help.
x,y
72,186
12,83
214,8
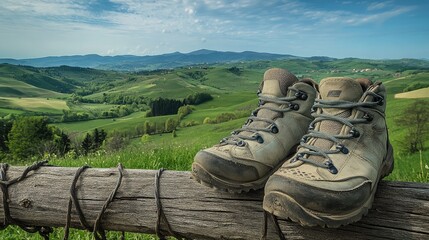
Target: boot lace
x,y
240,140
336,139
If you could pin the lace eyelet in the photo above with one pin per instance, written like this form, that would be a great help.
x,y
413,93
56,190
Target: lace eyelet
x,y
274,129
259,139
241,143
355,133
379,100
367,117
254,113
296,158
311,127
294,106
301,95
304,139
332,169
342,149
260,102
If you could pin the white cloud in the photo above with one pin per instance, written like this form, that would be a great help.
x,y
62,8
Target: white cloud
x,y
45,7
189,10
378,5
377,17
354,19
169,25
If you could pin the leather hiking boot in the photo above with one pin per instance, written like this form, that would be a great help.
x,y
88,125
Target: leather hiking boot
x,y
244,160
332,179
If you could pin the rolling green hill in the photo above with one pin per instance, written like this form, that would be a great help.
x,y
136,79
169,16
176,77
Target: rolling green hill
x,y
233,87
229,83
49,91
11,87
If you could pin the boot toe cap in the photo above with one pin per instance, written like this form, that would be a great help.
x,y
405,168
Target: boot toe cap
x,y
318,199
224,168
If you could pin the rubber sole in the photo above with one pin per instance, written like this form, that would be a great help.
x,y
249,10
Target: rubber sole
x,y
282,205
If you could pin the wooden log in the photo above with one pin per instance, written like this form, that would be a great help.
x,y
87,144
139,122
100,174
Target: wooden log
x,y
400,210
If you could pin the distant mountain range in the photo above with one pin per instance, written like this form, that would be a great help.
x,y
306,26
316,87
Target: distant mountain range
x,y
164,61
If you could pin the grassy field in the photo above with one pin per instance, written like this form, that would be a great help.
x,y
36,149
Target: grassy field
x,y
232,93
182,82
127,123
408,167
220,104
6,111
419,93
46,105
10,87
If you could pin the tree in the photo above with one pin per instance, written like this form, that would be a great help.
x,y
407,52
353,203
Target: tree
x,y
207,120
164,106
27,136
115,142
98,137
146,127
145,138
170,125
415,119
96,143
61,142
184,111
197,98
87,144
5,127
103,135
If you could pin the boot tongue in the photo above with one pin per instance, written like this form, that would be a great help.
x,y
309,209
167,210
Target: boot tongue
x,y
277,81
337,88
340,88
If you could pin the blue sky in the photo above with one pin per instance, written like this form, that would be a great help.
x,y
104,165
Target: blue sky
x,y
344,28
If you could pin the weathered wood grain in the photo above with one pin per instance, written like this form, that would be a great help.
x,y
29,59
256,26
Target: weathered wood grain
x,y
400,211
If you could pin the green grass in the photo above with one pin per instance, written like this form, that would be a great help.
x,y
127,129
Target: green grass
x,y
236,102
46,105
14,233
6,111
410,167
10,87
94,109
220,104
179,84
232,93
127,123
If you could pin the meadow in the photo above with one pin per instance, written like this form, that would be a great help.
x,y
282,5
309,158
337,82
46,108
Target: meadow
x,y
232,92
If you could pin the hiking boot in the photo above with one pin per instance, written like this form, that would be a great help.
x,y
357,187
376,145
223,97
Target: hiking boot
x,y
332,179
244,160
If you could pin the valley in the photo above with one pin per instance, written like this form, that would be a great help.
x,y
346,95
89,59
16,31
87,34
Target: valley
x,y
80,100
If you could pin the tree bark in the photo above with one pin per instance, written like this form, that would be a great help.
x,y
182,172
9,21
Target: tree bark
x,y
400,210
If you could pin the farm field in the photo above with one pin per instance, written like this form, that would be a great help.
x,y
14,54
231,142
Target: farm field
x,y
419,93
47,105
